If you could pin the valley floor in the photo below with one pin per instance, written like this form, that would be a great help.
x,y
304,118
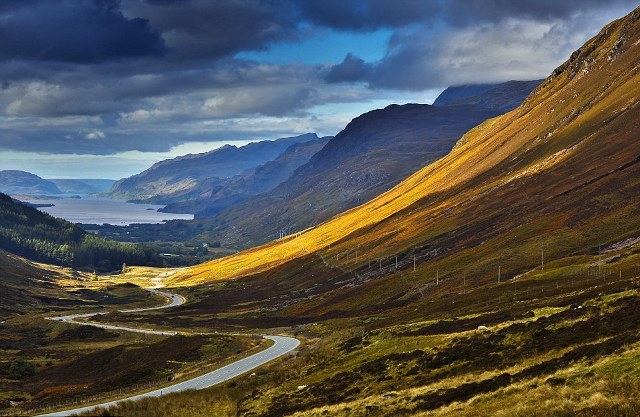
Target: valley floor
x,y
565,342
47,364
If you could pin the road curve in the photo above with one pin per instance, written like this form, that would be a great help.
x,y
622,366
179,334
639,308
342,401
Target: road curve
x,y
175,300
282,345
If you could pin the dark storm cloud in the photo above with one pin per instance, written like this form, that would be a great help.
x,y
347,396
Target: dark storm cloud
x,y
350,70
95,91
18,4
203,29
367,15
376,14
166,2
102,76
72,31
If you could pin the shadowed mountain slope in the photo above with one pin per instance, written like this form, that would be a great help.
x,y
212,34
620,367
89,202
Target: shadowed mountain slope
x,y
24,284
175,179
562,170
503,97
216,194
372,154
22,182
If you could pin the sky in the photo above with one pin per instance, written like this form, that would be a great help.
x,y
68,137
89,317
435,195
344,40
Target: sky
x,y
105,88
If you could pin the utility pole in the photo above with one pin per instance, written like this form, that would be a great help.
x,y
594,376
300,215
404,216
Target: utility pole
x,y
437,277
414,263
396,261
499,273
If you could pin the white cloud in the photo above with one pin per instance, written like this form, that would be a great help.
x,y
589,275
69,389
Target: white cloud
x,y
96,134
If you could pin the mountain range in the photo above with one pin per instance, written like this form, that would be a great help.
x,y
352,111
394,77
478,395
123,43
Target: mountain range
x,y
501,279
25,183
21,182
372,154
213,195
182,178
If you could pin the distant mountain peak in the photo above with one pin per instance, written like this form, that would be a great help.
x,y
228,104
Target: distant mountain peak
x,y
502,96
22,182
459,92
166,180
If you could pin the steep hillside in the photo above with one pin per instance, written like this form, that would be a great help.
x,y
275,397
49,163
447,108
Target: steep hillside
x,y
174,179
31,233
217,194
24,284
372,154
22,182
560,172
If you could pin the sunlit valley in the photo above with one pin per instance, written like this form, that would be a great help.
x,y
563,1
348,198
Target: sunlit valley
x,y
205,210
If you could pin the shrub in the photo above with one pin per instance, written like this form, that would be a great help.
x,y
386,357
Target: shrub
x,y
20,369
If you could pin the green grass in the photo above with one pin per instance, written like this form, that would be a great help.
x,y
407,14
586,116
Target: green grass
x,y
556,367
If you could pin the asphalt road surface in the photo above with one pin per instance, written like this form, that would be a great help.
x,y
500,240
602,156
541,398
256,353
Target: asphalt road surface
x,y
282,345
175,300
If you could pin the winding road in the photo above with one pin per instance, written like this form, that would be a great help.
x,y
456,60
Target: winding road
x,y
281,346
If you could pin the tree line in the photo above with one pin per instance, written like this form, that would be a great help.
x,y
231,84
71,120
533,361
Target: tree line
x,y
31,233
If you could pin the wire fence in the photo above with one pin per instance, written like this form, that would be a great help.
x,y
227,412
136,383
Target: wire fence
x,y
86,400
407,265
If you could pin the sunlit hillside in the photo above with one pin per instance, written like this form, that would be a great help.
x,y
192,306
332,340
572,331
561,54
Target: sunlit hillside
x,y
563,161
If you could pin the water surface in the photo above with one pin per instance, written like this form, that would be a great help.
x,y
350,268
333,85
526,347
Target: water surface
x,y
100,211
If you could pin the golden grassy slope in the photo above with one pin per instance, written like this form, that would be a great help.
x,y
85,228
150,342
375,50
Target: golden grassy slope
x,y
581,119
